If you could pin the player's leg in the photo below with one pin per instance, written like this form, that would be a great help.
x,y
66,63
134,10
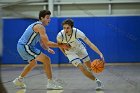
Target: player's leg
x,y
46,64
75,60
28,55
48,70
83,55
87,64
19,81
28,68
89,74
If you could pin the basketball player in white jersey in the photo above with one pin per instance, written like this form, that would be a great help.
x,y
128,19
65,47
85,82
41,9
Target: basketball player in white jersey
x,y
26,48
70,35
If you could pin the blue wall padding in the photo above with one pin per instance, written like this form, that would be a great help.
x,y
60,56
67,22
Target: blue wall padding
x,y
117,37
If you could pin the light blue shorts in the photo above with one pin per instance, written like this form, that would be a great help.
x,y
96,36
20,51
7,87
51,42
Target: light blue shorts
x,y
27,52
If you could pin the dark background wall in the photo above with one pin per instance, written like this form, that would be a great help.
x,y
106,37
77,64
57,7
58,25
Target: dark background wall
x,y
117,37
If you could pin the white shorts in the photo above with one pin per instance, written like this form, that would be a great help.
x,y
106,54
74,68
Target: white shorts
x,y
76,55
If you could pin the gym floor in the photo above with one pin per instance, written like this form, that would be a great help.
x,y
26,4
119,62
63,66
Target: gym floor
x,y
116,79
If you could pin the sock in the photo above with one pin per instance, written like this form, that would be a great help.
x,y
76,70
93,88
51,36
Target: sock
x,y
20,77
98,82
49,80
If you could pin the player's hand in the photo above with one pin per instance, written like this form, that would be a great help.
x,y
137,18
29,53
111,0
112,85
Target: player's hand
x,y
102,57
51,51
65,46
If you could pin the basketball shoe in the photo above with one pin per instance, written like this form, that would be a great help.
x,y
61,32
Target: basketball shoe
x,y
53,85
99,84
19,83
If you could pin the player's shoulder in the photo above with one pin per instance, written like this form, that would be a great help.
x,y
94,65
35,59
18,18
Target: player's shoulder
x,y
76,30
38,23
61,32
38,28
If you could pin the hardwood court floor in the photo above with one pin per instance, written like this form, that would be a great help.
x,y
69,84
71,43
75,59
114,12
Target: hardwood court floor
x,y
116,79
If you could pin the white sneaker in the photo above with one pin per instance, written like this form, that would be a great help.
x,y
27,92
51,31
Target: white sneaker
x,y
19,83
99,84
21,91
52,85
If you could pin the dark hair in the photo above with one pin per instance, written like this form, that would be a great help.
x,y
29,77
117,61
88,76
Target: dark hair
x,y
69,22
43,13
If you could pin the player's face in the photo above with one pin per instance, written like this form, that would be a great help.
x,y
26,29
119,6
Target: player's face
x,y
46,20
67,28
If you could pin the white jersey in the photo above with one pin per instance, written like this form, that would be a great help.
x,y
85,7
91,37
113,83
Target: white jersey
x,y
73,39
78,51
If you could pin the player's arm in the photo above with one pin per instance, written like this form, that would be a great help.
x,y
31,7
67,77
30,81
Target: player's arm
x,y
62,49
44,38
81,35
46,48
59,41
93,47
43,46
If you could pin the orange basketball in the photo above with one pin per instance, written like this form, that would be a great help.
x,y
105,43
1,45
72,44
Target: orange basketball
x,y
97,66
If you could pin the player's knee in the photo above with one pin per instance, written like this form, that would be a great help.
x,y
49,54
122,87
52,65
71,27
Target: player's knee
x,y
81,67
76,62
47,60
88,61
33,63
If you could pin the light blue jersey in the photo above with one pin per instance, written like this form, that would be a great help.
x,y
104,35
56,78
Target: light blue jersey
x,y
30,37
26,44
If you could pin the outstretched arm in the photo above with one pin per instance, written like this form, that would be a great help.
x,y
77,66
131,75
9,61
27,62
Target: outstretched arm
x,y
59,41
93,47
44,38
62,49
43,46
46,48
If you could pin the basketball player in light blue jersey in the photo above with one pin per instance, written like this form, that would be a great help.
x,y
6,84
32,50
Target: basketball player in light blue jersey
x,y
77,51
26,48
